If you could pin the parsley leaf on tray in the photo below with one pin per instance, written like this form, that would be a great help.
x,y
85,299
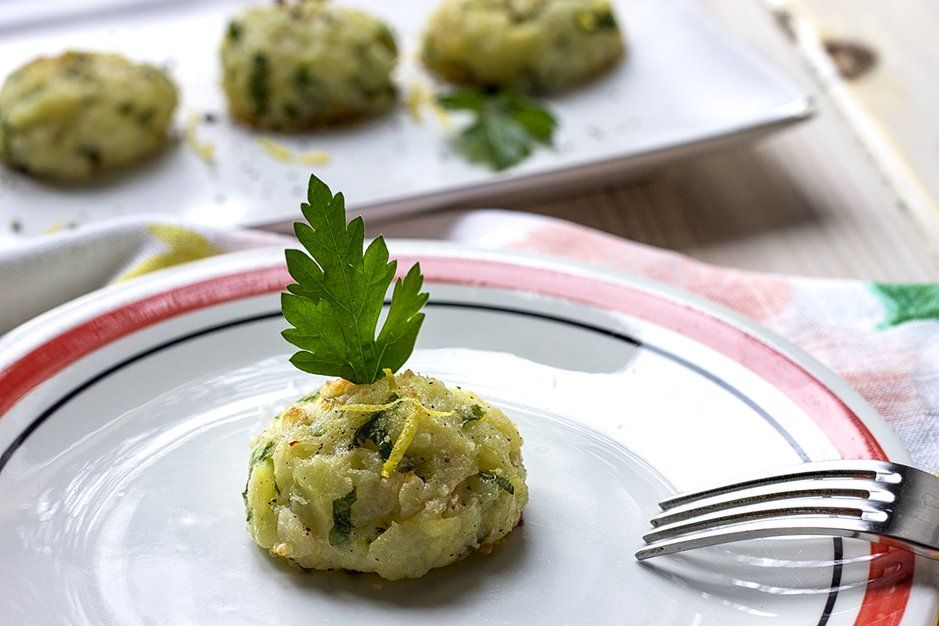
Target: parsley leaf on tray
x,y
334,306
506,129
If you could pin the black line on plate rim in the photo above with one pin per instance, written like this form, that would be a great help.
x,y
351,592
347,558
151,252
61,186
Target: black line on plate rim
x,y
838,546
36,423
769,419
838,558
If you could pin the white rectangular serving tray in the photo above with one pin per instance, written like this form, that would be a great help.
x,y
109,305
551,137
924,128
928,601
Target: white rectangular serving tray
x,y
685,86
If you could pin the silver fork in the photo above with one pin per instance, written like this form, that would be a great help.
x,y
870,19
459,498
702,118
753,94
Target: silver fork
x,y
878,501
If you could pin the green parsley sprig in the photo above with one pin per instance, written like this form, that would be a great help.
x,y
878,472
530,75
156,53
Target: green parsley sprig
x,y
342,519
506,128
335,305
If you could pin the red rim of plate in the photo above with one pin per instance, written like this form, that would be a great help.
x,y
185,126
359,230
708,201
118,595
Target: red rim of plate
x,y
883,604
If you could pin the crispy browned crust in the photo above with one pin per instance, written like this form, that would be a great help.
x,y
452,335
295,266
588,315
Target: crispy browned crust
x,y
330,119
458,75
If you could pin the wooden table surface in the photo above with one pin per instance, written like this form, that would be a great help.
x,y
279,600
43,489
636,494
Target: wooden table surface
x,y
842,195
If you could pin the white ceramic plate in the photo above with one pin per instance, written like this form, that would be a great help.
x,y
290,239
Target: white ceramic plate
x,y
126,417
686,86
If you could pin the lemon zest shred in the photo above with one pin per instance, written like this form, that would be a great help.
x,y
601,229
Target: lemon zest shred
x,y
368,408
276,150
392,381
374,408
317,157
588,21
421,97
403,442
408,431
414,101
443,117
56,227
284,154
205,150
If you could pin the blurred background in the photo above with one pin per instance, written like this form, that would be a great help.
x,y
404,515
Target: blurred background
x,y
670,149
850,193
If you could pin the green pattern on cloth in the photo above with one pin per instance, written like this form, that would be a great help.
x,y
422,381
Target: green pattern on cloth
x,y
908,302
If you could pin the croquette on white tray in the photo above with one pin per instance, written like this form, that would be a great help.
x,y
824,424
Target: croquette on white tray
x,y
684,86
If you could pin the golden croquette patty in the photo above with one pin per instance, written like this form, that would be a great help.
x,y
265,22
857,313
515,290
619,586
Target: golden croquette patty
x,y
396,477
72,116
534,46
297,66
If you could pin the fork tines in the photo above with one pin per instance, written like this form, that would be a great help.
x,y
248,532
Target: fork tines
x,y
836,498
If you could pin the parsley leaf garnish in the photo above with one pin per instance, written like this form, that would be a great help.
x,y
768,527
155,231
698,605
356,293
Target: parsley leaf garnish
x,y
342,519
259,455
471,414
335,304
506,129
502,481
257,83
376,431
